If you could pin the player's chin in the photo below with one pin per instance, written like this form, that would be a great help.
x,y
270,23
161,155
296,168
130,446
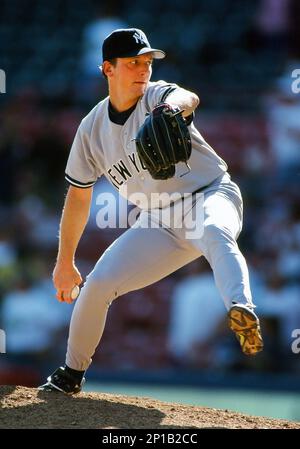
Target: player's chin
x,y
140,88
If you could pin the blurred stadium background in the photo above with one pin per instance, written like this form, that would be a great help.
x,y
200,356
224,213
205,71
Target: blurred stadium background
x,y
238,56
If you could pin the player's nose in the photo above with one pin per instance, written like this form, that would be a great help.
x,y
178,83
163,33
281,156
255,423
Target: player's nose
x,y
144,68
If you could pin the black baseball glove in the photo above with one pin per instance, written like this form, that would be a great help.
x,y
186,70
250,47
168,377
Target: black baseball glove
x,y
163,140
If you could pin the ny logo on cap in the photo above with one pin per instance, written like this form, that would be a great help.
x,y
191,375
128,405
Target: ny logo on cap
x,y
139,38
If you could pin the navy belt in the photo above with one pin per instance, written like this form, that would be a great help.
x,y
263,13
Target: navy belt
x,y
193,193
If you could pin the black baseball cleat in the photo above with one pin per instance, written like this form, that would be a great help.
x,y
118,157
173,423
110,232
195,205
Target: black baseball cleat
x,y
61,381
245,324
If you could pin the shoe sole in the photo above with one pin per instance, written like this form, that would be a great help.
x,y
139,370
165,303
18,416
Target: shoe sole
x,y
50,388
246,327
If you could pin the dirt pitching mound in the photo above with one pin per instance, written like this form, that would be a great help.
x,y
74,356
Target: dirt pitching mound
x,y
28,408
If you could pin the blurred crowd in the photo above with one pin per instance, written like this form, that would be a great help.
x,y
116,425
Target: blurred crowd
x,y
238,57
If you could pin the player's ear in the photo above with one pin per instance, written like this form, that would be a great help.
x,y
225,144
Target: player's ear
x,y
107,68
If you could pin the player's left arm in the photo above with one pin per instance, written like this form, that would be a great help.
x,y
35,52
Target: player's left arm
x,y
184,99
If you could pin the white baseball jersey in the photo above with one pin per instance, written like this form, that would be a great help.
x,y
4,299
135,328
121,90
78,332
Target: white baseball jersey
x,y
102,147
143,255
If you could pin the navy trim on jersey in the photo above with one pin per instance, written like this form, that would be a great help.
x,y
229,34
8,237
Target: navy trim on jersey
x,y
82,185
167,92
119,118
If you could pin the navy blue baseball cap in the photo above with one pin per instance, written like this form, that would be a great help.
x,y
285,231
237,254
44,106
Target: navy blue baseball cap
x,y
127,42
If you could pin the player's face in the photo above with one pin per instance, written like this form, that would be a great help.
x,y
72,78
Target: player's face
x,y
131,75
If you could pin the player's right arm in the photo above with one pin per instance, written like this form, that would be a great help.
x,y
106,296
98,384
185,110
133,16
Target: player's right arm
x,y
184,99
73,221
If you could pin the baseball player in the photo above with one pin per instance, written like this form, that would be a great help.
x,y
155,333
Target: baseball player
x,y
105,145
